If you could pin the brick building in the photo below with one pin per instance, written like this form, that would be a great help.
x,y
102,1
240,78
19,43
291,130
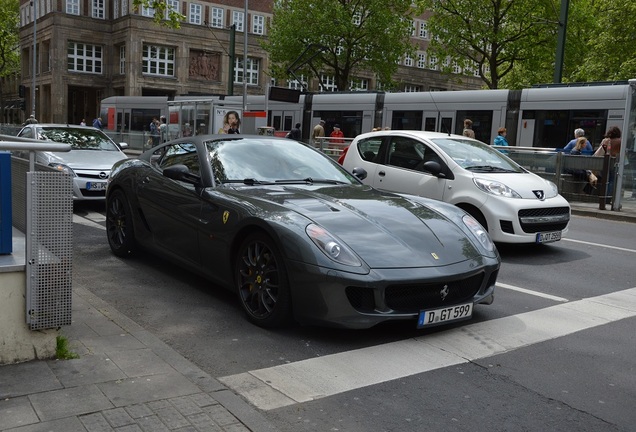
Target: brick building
x,y
87,50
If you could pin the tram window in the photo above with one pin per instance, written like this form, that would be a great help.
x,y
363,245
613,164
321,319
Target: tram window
x,y
429,124
406,120
552,129
276,122
482,124
447,124
288,123
141,118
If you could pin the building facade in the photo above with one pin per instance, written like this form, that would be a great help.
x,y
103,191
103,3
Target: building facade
x,y
87,50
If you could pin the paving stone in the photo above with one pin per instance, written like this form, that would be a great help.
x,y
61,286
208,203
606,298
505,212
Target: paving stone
x,y
118,417
139,363
67,402
138,410
68,424
145,389
95,423
203,422
17,412
203,399
26,378
185,405
129,428
172,418
220,415
152,424
86,370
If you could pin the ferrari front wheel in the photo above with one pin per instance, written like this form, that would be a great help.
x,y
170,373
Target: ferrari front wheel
x,y
119,225
261,281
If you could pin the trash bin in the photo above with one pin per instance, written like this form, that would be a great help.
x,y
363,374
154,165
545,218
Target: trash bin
x,y
266,130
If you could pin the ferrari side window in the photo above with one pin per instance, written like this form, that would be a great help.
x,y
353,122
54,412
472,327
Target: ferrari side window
x,y
181,154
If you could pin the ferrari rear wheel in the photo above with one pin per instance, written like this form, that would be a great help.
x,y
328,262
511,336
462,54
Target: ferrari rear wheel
x,y
262,283
119,225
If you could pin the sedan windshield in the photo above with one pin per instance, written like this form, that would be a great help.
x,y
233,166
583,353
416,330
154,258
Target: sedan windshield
x,y
270,160
476,156
78,138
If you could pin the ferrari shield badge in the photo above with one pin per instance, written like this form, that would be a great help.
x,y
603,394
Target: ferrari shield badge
x,y
434,255
226,216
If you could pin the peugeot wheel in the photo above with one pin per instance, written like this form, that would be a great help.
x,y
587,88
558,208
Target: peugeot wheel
x,y
119,225
262,282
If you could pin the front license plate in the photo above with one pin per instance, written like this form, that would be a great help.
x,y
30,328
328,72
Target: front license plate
x,y
548,237
95,185
438,316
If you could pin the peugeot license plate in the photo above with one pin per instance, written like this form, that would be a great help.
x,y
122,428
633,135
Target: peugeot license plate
x,y
445,315
548,237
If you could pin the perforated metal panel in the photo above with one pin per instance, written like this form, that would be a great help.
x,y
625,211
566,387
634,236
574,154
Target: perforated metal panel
x,y
49,249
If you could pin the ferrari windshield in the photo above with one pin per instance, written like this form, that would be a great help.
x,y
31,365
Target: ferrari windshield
x,y
78,138
476,156
260,160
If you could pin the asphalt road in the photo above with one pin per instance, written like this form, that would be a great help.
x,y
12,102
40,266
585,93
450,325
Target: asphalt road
x,y
556,351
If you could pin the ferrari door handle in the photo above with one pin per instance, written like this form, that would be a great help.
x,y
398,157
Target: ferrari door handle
x,y
381,173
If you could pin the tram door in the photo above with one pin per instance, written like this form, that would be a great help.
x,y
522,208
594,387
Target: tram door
x,y
122,124
282,121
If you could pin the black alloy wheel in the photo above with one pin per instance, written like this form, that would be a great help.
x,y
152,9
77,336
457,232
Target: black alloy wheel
x,y
119,225
262,282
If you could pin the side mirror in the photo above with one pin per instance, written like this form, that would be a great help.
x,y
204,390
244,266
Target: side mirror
x,y
123,145
181,173
359,173
433,167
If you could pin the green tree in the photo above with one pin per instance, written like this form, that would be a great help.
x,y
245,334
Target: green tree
x,y
9,41
610,50
344,37
493,36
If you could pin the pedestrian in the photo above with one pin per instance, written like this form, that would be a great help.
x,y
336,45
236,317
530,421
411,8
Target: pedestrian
x,y
578,133
83,122
468,129
295,133
155,134
97,123
318,133
337,135
611,145
163,129
31,120
500,139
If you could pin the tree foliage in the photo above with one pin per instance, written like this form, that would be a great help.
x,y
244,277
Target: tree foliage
x,y
493,36
341,37
9,37
163,15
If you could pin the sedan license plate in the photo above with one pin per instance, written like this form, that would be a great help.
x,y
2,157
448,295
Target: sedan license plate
x,y
439,316
95,186
548,237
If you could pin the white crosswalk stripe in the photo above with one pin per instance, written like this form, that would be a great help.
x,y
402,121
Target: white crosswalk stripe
x,y
315,378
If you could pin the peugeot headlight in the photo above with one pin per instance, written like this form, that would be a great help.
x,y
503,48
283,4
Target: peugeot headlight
x,y
333,248
64,168
552,190
479,232
495,188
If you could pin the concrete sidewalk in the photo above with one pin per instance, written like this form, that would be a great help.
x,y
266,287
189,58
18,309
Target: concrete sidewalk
x,y
125,379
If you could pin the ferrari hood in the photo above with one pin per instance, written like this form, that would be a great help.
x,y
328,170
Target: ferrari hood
x,y
386,230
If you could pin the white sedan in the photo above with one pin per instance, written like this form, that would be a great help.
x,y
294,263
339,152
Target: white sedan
x,y
513,204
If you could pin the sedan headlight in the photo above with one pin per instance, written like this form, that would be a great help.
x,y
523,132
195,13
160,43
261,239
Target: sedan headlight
x,y
64,168
495,188
479,232
333,248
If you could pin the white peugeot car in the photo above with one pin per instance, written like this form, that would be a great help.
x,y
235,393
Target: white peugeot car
x,y
513,204
89,162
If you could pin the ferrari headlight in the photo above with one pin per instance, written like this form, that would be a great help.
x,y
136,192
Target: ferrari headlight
x,y
332,247
479,232
64,168
495,188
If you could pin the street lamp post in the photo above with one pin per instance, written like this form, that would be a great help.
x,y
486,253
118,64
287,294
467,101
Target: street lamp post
x,y
245,28
35,31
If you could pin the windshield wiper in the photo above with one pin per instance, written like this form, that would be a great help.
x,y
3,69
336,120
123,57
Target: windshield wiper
x,y
247,181
309,180
488,168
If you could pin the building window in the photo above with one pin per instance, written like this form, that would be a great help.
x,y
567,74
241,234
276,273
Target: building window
x,y
195,14
72,7
432,62
147,11
409,88
423,33
408,61
122,60
251,71
158,60
217,17
258,24
124,7
116,9
328,83
84,58
359,84
357,18
296,84
456,68
171,6
421,61
98,9
238,19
